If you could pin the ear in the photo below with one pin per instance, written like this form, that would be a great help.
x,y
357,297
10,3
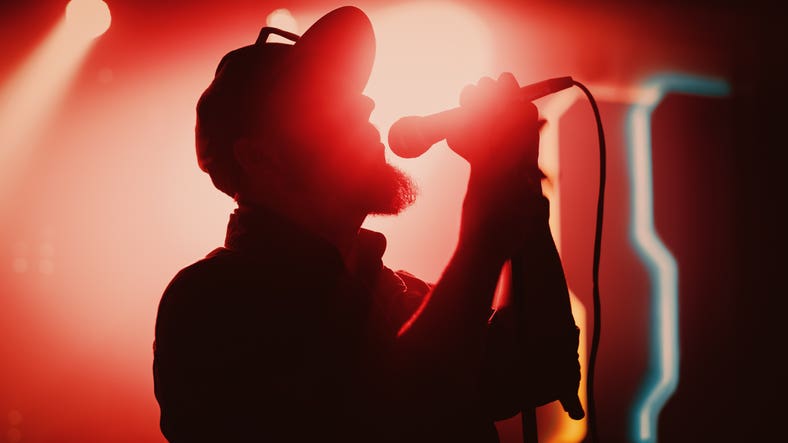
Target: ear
x,y
252,156
244,154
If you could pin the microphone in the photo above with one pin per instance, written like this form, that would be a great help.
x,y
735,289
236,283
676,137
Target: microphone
x,y
413,135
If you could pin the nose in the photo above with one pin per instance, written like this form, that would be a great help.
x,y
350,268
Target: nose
x,y
368,105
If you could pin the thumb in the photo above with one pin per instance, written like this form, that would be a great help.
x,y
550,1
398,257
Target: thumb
x,y
572,406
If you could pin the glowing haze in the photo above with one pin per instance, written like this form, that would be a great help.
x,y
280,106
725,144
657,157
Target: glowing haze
x,y
426,54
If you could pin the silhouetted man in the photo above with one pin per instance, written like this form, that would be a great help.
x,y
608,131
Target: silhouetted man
x,y
295,330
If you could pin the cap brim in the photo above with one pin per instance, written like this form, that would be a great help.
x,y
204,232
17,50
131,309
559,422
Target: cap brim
x,y
336,52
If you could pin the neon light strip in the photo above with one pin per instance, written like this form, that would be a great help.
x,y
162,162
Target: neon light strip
x,y
662,378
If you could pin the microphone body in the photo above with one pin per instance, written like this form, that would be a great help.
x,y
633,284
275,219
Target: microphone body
x,y
413,135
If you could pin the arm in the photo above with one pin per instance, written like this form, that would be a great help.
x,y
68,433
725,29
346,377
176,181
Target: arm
x,y
532,356
448,348
442,347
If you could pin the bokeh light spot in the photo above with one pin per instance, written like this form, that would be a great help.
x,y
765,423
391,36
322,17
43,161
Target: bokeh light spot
x,y
47,250
106,75
14,417
19,265
14,435
46,266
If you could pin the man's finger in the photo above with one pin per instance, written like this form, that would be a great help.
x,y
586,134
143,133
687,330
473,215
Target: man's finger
x,y
573,407
508,83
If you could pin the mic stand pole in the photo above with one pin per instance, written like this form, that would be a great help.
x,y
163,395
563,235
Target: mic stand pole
x,y
548,336
518,284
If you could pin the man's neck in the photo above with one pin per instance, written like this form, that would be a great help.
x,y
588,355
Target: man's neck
x,y
335,223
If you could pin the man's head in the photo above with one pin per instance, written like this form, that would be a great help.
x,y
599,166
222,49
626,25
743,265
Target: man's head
x,y
283,121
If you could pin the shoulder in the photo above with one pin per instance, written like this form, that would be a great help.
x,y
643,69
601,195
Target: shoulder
x,y
204,290
213,270
208,303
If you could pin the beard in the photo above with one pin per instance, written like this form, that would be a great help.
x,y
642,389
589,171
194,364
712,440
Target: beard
x,y
388,191
373,186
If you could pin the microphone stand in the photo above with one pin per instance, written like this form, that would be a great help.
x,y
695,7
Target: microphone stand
x,y
546,328
518,292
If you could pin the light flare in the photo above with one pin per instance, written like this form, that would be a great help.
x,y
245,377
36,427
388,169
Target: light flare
x,y
29,99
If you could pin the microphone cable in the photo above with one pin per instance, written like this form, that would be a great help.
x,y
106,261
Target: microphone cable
x,y
592,417
528,421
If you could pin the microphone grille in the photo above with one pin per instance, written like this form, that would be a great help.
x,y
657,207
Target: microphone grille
x,y
406,139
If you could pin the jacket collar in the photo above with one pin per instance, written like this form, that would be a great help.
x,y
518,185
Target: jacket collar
x,y
257,230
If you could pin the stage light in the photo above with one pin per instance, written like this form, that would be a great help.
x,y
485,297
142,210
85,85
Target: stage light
x,y
89,18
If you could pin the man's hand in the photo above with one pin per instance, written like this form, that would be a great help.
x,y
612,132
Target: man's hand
x,y
500,140
504,214
496,124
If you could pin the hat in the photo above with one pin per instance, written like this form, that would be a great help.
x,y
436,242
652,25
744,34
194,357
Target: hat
x,y
334,55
